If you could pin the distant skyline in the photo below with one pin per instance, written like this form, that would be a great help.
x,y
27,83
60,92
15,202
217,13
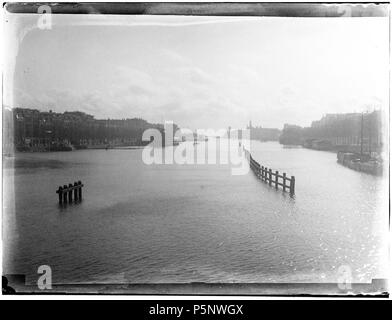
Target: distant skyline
x,y
200,72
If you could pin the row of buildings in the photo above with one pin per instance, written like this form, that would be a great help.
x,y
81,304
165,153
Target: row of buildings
x,y
34,130
354,132
263,134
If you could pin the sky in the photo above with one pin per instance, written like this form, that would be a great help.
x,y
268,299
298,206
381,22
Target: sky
x,y
200,72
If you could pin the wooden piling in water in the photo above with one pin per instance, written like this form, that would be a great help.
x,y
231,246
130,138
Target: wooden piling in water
x,y
65,196
75,191
284,181
276,179
270,176
292,185
80,189
60,192
70,192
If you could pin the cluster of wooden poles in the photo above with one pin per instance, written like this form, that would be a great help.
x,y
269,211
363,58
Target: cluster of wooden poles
x,y
272,178
65,192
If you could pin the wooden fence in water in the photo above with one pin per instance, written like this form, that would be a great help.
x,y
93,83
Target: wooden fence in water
x,y
272,178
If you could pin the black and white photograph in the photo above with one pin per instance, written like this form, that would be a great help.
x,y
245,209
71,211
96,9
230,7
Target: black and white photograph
x,y
196,149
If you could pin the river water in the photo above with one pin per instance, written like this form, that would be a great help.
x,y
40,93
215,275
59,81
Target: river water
x,y
143,223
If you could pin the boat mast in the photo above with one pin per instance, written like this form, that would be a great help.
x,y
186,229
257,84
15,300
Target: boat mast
x,y
370,133
362,133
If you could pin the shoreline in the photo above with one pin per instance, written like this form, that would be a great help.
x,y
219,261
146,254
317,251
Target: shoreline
x,y
71,149
350,159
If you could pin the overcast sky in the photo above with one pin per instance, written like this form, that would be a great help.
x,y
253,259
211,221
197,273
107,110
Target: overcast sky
x,y
199,72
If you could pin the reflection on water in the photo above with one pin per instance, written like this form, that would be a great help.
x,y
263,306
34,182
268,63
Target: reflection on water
x,y
183,223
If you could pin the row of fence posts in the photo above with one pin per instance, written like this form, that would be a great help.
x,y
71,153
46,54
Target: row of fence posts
x,y
272,178
65,192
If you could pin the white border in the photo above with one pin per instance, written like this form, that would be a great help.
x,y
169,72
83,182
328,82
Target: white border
x,y
150,297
